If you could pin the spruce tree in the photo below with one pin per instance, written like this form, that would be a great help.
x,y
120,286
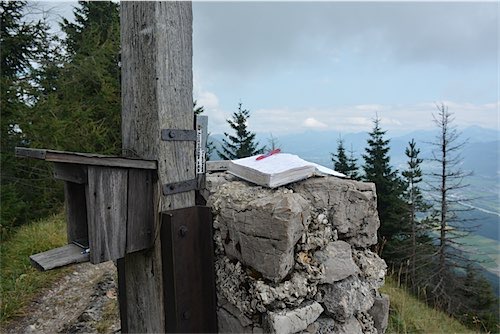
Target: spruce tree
x,y
339,159
353,166
344,164
82,113
419,244
22,42
242,143
389,188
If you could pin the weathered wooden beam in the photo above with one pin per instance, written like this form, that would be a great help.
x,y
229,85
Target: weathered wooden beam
x,y
107,218
84,158
157,86
70,172
140,210
59,257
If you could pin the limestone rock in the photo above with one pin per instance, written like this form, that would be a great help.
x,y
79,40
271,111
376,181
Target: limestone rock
x,y
380,312
351,326
366,322
260,227
351,205
293,321
342,299
337,260
290,292
373,268
228,323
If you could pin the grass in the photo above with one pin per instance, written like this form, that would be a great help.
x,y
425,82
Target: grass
x,y
20,283
409,315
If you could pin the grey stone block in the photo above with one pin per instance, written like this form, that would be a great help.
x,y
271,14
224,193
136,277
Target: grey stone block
x,y
342,299
352,207
260,227
380,312
338,261
293,321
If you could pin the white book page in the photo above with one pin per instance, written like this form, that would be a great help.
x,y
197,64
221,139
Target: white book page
x,y
282,162
274,164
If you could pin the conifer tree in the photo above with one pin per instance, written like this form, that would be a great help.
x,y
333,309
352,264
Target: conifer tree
x,y
389,187
344,164
242,143
419,247
22,41
339,159
82,112
353,166
447,183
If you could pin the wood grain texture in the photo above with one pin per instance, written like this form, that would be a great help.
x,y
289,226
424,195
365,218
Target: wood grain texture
x,y
76,211
84,158
58,257
140,217
157,89
107,217
157,86
70,172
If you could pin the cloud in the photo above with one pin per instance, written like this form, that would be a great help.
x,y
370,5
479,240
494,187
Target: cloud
x,y
395,118
255,37
314,123
208,100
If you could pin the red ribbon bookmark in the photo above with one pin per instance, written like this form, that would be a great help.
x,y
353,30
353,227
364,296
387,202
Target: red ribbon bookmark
x,y
268,154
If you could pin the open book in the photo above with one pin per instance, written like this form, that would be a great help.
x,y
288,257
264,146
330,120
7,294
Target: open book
x,y
277,169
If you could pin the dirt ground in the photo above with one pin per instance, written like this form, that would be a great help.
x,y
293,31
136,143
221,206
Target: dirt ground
x,y
85,301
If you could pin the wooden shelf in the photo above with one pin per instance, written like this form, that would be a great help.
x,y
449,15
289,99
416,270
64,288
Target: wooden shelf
x,y
84,158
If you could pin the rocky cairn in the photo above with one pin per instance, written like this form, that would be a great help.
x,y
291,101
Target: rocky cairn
x,y
296,258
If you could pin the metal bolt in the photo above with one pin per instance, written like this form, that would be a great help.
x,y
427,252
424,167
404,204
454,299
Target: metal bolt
x,y
171,134
183,230
186,315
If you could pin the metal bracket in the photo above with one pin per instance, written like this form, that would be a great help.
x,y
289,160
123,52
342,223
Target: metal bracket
x,y
179,187
178,135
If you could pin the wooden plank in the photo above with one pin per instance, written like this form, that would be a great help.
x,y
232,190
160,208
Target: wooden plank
x,y
59,257
25,152
157,93
188,271
76,212
84,158
140,217
217,166
107,213
70,172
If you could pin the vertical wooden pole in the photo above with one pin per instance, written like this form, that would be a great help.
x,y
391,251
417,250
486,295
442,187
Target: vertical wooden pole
x,y
157,85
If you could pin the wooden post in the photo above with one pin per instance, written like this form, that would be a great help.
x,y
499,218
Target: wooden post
x,y
157,85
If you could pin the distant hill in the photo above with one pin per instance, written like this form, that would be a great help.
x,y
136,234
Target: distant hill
x,y
481,154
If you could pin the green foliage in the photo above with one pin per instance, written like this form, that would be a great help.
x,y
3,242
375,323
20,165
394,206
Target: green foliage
x,y
242,144
390,206
415,242
22,43
344,164
55,94
19,281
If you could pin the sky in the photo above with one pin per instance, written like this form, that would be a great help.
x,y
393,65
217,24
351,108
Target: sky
x,y
320,66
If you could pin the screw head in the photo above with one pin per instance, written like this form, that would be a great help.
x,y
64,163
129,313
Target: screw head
x,y
183,230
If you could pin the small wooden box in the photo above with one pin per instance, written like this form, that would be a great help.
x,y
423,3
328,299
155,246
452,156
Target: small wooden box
x,y
109,205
